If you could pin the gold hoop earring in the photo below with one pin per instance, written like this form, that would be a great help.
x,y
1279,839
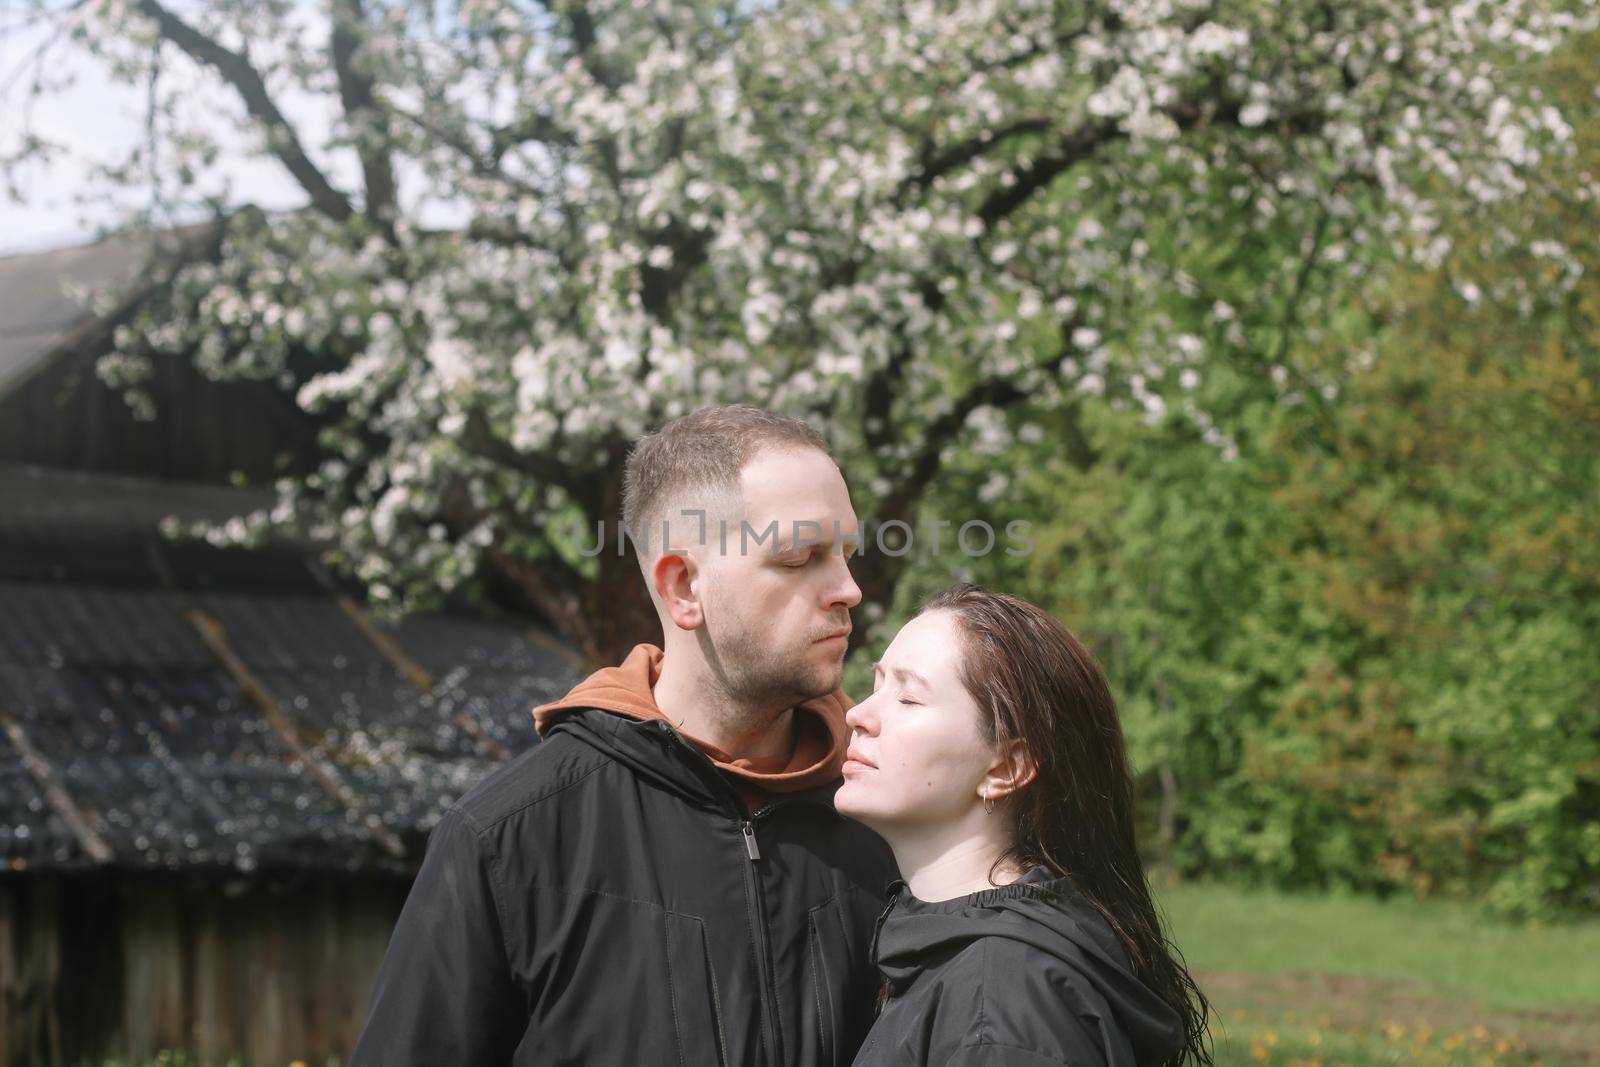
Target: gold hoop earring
x,y
988,804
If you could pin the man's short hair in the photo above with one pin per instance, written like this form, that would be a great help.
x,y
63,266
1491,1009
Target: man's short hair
x,y
698,458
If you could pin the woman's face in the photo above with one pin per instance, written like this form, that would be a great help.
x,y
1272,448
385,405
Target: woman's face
x,y
916,755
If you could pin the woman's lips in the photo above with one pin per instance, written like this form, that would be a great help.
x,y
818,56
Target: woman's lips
x,y
853,760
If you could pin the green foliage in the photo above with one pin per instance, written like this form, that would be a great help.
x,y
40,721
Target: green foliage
x,y
1353,624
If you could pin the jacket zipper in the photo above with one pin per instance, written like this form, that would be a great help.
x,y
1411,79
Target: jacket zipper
x,y
763,935
755,903
758,920
749,831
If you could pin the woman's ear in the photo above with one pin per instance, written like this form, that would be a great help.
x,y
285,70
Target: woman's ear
x,y
673,575
1012,769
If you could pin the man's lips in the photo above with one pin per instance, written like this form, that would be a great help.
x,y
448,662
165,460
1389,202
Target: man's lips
x,y
835,636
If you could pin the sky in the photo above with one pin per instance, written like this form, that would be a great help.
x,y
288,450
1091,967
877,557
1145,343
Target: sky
x,y
100,119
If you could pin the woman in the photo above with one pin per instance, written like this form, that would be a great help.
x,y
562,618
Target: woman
x,y
990,758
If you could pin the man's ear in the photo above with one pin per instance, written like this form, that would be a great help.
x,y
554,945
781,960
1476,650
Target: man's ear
x,y
1012,769
673,578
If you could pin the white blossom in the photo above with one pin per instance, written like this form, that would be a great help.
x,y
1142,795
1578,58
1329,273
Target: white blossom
x,y
778,207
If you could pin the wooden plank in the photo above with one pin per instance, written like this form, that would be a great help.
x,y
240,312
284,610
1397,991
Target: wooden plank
x,y
368,920
84,822
553,646
155,998
412,671
266,984
35,979
215,637
387,647
211,1040
10,1055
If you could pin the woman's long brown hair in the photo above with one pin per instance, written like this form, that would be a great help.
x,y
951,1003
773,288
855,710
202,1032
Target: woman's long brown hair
x,y
1033,681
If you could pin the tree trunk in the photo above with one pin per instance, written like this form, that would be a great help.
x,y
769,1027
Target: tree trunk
x,y
620,612
1166,823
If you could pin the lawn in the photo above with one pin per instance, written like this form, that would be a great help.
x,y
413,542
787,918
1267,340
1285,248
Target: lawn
x,y
1349,980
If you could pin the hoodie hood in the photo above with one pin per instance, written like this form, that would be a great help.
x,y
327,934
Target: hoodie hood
x,y
820,734
1053,920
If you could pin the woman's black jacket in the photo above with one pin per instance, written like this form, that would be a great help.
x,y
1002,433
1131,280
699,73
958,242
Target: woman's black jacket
x,y
1025,975
605,900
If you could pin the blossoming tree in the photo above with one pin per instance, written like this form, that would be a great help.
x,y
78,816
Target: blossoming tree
x,y
532,231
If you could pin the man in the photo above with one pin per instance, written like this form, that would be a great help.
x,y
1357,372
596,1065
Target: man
x,y
664,880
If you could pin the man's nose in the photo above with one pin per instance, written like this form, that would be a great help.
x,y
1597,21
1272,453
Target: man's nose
x,y
845,591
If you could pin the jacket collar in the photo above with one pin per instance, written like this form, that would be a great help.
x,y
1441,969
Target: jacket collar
x,y
656,752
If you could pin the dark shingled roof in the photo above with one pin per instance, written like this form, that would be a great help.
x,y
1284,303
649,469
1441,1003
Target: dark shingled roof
x,y
39,309
127,740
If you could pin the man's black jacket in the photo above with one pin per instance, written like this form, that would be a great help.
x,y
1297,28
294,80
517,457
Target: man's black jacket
x,y
604,899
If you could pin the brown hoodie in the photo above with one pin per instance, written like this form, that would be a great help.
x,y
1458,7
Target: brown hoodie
x,y
820,733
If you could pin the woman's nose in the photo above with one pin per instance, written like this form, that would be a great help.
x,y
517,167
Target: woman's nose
x,y
859,716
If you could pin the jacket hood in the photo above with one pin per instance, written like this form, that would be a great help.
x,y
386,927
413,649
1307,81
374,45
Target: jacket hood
x,y
1049,916
820,734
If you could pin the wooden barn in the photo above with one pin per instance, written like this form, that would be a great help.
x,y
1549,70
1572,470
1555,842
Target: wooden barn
x,y
217,774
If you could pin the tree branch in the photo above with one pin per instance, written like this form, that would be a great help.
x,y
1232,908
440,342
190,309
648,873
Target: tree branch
x,y
936,164
552,586
360,107
659,286
1077,146
881,387
536,127
480,440
990,392
1214,107
484,166
246,80
583,35
1291,314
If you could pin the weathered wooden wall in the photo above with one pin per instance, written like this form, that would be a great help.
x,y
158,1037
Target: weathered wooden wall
x,y
64,416
99,965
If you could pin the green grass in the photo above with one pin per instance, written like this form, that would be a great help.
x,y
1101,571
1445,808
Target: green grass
x,y
1298,1043
1444,946
1342,981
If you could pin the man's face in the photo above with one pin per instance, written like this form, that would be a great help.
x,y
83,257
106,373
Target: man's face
x,y
777,610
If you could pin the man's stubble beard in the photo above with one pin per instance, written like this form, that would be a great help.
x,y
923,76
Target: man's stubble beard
x,y
754,675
